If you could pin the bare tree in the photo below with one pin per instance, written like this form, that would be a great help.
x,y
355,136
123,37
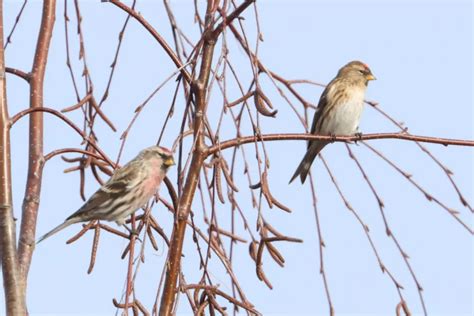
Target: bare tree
x,y
208,177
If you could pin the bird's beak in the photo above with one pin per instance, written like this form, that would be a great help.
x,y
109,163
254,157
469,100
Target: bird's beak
x,y
371,77
169,162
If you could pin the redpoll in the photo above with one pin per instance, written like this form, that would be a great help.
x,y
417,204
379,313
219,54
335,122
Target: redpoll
x,y
339,110
129,188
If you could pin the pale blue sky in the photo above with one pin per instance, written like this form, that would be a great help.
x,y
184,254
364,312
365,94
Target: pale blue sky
x,y
421,53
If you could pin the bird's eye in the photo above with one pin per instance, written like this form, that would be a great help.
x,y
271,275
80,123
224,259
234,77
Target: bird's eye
x,y
362,72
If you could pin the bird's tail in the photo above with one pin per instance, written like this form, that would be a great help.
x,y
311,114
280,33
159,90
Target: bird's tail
x,y
58,228
305,164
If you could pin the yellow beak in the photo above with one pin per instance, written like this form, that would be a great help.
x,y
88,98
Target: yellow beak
x,y
169,162
371,77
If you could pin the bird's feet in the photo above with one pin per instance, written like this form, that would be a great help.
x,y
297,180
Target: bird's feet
x,y
359,136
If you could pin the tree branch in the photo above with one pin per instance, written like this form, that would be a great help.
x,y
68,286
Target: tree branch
x,y
17,72
58,114
231,17
275,137
156,35
199,89
35,159
12,285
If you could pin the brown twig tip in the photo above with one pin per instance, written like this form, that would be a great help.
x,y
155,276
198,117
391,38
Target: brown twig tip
x,y
81,233
77,105
135,305
95,246
269,197
262,103
402,306
372,103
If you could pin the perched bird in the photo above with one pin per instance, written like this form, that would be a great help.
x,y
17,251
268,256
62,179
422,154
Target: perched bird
x,y
339,110
129,188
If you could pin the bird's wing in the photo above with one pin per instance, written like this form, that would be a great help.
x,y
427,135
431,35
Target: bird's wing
x,y
117,185
319,111
96,200
322,104
324,107
121,179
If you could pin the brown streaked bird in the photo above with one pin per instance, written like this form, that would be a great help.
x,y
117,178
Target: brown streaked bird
x,y
339,109
129,188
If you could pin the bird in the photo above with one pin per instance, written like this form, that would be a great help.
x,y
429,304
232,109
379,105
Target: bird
x,y
128,189
339,109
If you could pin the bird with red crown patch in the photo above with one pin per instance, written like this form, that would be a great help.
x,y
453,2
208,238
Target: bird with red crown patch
x,y
339,110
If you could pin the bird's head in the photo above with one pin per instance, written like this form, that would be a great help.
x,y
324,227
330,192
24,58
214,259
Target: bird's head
x,y
163,155
357,70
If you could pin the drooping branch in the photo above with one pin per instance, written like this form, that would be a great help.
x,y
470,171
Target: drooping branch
x,y
156,35
71,150
58,114
321,245
17,19
444,168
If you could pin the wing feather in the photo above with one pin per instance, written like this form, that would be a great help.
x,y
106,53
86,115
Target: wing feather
x,y
120,182
321,110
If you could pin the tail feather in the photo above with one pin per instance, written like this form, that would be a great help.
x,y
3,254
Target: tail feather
x,y
57,229
305,164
